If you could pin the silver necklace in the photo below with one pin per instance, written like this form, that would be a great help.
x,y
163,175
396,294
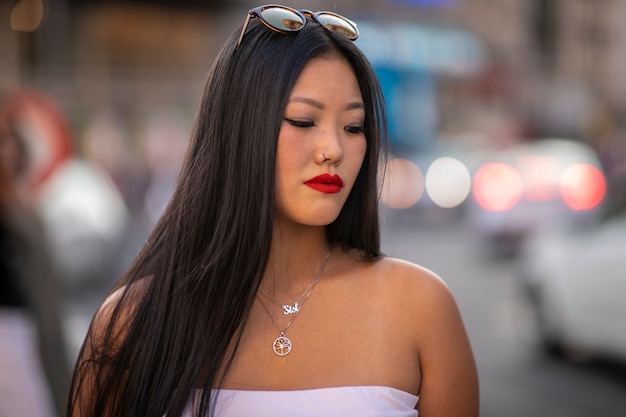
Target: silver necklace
x,y
295,307
282,344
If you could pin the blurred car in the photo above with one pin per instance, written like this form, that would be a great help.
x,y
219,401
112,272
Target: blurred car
x,y
575,281
531,185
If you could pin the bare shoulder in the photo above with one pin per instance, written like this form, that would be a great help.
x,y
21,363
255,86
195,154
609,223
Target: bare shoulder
x,y
412,283
127,295
117,309
413,297
422,293
423,305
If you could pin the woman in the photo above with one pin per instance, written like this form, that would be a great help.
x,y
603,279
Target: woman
x,y
262,290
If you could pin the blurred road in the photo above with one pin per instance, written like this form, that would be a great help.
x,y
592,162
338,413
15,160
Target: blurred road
x,y
515,380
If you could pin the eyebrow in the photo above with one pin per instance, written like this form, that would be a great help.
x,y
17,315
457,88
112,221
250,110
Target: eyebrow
x,y
355,105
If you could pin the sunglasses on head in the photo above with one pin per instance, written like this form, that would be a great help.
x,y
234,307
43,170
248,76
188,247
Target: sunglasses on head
x,y
284,19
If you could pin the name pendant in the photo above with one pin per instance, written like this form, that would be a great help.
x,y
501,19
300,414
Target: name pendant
x,y
291,309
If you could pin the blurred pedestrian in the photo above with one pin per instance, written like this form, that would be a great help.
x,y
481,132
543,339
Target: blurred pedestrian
x,y
34,370
262,290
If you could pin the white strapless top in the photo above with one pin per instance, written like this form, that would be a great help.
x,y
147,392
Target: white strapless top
x,y
362,401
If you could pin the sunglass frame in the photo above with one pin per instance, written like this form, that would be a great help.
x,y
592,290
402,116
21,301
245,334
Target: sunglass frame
x,y
302,14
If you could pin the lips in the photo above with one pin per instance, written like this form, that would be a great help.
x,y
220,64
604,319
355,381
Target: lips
x,y
326,183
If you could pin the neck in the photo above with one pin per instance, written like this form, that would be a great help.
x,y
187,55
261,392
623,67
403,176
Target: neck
x,y
295,258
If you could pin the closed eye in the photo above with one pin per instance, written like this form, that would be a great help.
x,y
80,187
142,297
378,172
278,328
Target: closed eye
x,y
300,123
355,129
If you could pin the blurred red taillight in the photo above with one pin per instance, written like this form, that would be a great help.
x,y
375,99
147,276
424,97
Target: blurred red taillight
x,y
497,186
583,186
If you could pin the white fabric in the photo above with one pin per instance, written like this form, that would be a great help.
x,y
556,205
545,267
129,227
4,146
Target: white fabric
x,y
23,388
362,401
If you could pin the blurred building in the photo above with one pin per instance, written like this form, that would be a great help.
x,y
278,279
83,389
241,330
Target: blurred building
x,y
556,63
568,56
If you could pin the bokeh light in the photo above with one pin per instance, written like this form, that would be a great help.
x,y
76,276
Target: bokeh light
x,y
497,186
448,182
582,186
27,15
403,184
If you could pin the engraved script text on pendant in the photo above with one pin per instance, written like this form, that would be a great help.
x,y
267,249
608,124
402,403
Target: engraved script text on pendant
x,y
291,309
282,345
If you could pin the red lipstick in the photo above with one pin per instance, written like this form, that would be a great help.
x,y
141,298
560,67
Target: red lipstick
x,y
326,183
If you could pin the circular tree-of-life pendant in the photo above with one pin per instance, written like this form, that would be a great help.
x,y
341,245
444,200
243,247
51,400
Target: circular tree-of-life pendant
x,y
282,345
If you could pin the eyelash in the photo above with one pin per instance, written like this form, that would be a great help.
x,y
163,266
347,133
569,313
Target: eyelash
x,y
305,124
356,130
298,123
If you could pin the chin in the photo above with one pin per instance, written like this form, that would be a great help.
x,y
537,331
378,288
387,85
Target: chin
x,y
316,220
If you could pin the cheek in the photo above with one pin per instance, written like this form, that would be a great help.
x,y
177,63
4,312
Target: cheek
x,y
289,164
356,152
292,147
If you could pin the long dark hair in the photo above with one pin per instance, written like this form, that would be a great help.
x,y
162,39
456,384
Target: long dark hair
x,y
201,267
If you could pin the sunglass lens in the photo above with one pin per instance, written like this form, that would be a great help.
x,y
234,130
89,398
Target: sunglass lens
x,y
282,19
338,24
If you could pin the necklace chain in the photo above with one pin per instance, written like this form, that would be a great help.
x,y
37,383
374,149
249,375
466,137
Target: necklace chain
x,y
295,307
282,344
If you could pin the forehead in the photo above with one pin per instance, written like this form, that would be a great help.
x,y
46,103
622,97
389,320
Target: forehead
x,y
328,76
335,61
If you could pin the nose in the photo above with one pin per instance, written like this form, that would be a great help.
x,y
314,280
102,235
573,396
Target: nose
x,y
330,147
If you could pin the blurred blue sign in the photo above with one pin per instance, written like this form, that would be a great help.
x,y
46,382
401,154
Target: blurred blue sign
x,y
408,58
412,107
439,49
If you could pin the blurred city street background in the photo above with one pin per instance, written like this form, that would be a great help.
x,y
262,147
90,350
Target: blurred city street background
x,y
506,176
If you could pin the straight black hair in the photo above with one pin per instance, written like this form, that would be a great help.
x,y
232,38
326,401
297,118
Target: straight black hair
x,y
180,308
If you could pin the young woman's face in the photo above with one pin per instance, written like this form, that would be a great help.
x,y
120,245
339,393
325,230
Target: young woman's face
x,y
321,144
